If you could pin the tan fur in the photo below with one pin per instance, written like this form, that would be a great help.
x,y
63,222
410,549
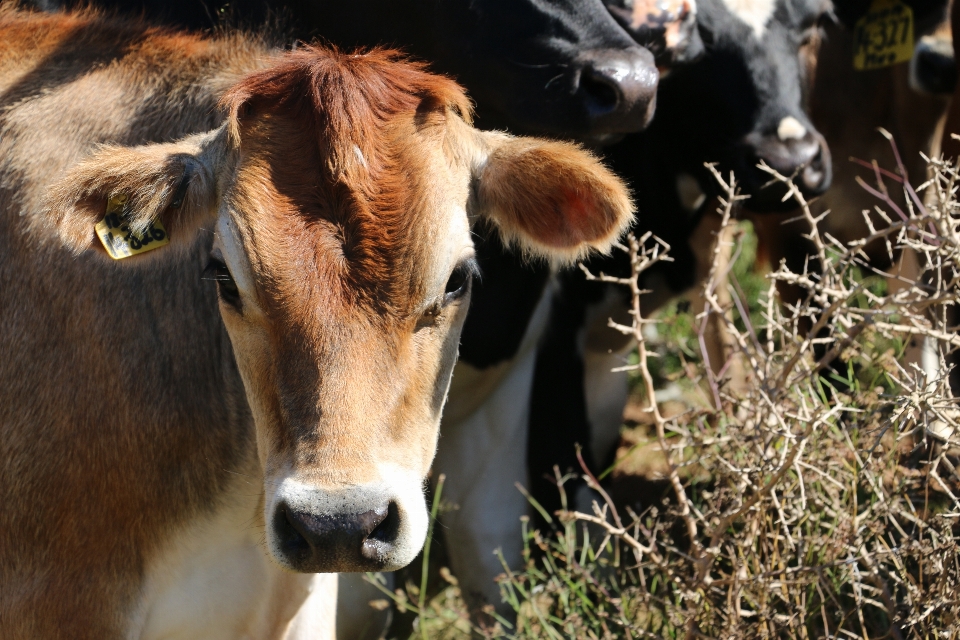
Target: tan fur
x,y
88,380
577,204
132,403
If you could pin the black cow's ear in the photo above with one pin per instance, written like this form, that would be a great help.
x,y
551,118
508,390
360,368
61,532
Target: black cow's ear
x,y
129,200
552,199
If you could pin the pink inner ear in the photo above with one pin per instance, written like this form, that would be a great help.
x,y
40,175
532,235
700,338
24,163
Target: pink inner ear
x,y
582,219
563,221
578,210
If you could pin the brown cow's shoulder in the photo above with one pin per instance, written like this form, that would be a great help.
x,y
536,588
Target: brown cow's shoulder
x,y
88,349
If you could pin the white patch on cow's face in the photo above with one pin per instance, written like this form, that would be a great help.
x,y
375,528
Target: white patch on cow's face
x,y
362,160
228,245
755,13
790,129
454,244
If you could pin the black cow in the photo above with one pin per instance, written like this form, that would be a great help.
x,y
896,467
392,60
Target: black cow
x,y
525,392
728,108
740,103
553,67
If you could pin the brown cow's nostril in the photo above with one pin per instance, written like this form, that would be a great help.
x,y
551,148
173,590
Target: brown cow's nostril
x,y
292,534
383,536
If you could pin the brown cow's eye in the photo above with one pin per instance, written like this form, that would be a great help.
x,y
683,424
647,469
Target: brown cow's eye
x,y
459,282
217,270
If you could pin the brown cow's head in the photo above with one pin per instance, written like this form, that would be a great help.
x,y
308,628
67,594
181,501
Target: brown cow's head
x,y
342,189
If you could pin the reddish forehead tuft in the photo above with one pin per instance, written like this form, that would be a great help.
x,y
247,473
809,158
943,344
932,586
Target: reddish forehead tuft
x,y
337,134
349,96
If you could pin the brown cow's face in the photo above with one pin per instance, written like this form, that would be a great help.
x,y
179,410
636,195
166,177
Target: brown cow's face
x,y
343,259
346,354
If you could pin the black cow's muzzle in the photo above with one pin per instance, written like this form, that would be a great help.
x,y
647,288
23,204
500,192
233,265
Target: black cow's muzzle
x,y
617,88
795,150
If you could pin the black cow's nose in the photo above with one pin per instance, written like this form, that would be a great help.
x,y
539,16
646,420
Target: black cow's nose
x,y
318,543
618,87
933,67
794,148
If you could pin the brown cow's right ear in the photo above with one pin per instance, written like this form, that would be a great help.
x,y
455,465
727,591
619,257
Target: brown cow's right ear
x,y
551,199
171,183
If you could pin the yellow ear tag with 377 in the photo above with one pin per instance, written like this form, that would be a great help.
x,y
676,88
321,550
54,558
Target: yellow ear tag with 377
x,y
119,241
884,36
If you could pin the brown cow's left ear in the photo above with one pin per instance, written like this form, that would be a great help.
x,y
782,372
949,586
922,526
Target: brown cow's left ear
x,y
553,199
171,183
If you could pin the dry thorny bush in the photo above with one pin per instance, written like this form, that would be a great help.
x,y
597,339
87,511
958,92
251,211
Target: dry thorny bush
x,y
816,500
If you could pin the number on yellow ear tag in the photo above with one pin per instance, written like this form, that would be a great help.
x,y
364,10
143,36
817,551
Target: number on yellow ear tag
x,y
117,238
884,36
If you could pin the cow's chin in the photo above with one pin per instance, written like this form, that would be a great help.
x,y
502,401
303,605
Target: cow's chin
x,y
347,528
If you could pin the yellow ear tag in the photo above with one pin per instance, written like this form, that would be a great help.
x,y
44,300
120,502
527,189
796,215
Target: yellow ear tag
x,y
884,36
117,238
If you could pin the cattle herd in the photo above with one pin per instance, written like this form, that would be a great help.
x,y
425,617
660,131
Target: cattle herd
x,y
256,293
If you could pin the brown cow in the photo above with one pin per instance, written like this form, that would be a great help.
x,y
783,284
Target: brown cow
x,y
169,446
848,106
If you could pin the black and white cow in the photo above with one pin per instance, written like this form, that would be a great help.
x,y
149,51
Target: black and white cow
x,y
742,105
549,385
909,99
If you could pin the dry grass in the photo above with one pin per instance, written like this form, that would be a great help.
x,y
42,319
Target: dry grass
x,y
813,501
